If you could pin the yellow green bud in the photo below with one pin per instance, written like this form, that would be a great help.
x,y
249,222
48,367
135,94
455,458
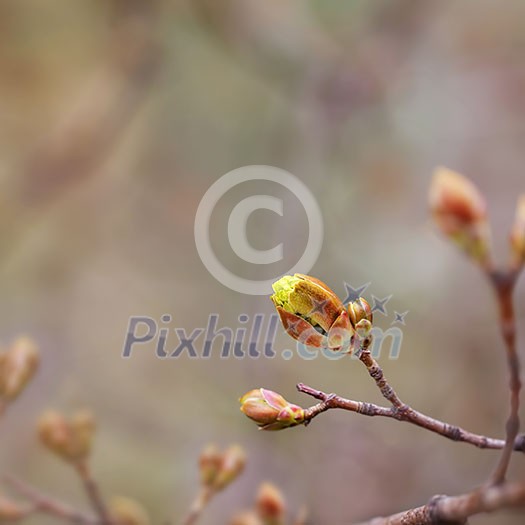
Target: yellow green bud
x,y
270,410
311,313
359,310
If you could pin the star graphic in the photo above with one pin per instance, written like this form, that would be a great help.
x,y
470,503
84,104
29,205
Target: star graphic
x,y
400,318
353,294
318,307
292,327
379,304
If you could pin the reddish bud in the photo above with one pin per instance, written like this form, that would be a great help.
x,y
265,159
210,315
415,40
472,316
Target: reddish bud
x,y
270,504
270,410
459,211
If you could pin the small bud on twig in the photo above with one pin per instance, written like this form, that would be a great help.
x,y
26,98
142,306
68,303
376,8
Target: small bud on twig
x,y
311,313
270,410
459,211
232,465
71,439
210,461
359,310
17,367
125,511
270,504
517,235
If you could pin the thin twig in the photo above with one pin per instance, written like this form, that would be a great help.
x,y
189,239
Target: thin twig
x,y
504,284
199,504
43,503
93,492
376,373
407,414
457,509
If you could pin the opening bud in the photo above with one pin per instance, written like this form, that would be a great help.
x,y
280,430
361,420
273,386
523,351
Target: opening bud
x,y
270,410
459,210
311,313
359,310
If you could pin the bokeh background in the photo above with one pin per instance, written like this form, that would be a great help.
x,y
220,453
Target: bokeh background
x,y
117,116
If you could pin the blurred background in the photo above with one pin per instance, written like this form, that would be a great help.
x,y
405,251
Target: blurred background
x,y
116,118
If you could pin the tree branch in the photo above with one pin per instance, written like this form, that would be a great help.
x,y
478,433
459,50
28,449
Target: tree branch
x,y
457,509
504,284
407,414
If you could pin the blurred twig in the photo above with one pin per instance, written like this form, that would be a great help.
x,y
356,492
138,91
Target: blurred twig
x,y
93,492
504,284
91,122
88,128
43,503
198,506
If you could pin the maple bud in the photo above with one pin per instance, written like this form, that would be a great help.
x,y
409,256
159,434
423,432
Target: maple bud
x,y
17,366
460,212
270,410
311,313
